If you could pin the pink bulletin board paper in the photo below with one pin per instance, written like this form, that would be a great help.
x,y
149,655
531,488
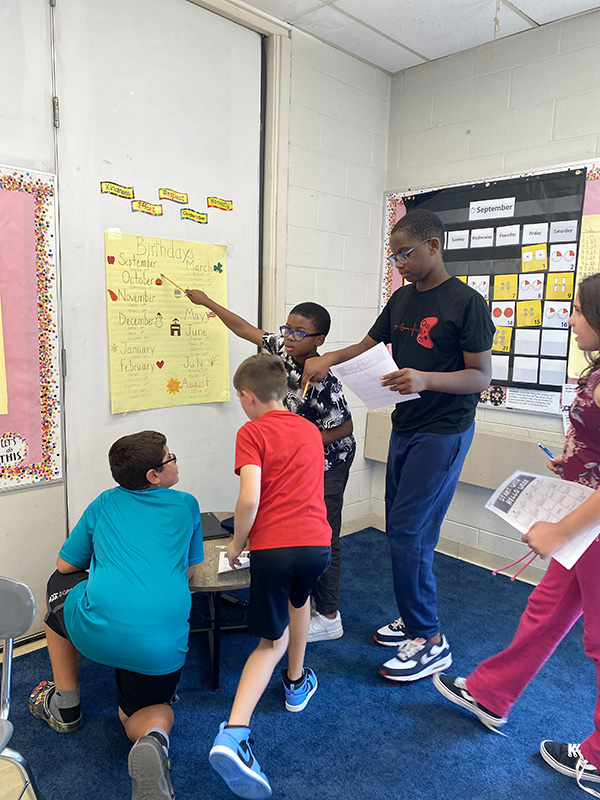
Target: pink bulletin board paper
x,y
591,198
29,330
19,318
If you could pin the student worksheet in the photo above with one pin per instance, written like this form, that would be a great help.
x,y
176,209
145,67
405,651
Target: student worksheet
x,y
363,376
525,498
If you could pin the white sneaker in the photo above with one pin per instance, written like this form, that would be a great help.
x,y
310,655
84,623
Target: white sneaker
x,y
322,628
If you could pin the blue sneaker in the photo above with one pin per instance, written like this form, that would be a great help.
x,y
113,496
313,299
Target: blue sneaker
x,y
232,757
297,697
417,658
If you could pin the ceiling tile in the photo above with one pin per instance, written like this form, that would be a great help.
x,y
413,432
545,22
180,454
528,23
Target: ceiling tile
x,y
543,11
436,28
338,29
287,10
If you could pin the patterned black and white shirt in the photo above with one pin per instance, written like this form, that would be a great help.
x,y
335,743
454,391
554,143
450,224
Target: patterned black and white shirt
x,y
324,403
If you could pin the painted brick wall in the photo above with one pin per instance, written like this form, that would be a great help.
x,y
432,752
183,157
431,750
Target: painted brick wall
x,y
337,171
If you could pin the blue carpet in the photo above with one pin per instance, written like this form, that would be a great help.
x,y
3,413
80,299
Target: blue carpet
x,y
360,736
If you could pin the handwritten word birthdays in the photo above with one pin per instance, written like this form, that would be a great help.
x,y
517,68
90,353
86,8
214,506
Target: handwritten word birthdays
x,y
163,351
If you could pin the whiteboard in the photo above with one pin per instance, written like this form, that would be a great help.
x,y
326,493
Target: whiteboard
x,y
152,93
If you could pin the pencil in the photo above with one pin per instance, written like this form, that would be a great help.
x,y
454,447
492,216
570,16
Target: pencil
x,y
305,390
173,282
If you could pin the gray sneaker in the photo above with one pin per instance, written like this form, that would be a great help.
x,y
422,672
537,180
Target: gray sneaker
x,y
150,768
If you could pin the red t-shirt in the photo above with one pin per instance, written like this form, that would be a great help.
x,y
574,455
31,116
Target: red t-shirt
x,y
289,451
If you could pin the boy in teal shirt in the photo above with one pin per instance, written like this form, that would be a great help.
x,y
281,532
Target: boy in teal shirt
x,y
138,541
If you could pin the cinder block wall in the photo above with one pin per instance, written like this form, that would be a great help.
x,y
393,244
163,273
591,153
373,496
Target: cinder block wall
x,y
530,102
337,171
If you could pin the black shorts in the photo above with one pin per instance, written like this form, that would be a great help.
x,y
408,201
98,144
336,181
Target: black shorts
x,y
279,576
135,690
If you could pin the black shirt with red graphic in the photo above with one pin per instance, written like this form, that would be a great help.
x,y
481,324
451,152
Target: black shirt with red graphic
x,y
430,331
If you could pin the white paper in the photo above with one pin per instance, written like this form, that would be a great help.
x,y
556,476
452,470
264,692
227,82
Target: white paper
x,y
533,400
562,257
553,371
492,209
362,375
500,368
525,370
508,234
564,231
481,284
535,233
244,558
482,237
556,314
554,343
527,342
525,498
531,286
457,240
569,392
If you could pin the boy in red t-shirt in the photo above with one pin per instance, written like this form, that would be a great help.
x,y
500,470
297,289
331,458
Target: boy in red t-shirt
x,y
279,458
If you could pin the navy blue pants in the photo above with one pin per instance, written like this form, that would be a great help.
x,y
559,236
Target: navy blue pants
x,y
421,477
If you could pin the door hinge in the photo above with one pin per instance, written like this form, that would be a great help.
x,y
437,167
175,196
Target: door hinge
x,y
55,112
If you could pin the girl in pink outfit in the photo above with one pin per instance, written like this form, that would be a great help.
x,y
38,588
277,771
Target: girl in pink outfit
x,y
563,595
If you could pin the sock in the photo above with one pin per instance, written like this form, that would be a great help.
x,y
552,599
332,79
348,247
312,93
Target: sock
x,y
64,705
292,684
162,737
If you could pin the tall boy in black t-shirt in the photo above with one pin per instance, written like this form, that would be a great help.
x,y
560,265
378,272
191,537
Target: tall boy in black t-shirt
x,y
441,335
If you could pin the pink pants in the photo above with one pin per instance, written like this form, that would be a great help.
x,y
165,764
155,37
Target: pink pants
x,y
553,608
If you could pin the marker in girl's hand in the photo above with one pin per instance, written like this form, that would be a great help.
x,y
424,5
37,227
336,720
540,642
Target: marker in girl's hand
x,y
545,449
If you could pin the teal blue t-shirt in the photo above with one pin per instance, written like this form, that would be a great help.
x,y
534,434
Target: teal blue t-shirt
x,y
133,611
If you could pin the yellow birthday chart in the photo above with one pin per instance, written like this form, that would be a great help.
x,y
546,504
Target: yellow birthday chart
x,y
163,349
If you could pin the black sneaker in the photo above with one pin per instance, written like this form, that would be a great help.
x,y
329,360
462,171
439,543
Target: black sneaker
x,y
567,758
391,635
455,689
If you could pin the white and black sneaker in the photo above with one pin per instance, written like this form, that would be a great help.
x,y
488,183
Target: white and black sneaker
x,y
417,658
455,689
391,635
567,759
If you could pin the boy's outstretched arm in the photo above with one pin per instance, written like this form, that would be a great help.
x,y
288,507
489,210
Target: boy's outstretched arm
x,y
316,368
246,509
234,322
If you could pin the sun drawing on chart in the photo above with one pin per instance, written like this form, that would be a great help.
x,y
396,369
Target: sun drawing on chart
x,y
173,386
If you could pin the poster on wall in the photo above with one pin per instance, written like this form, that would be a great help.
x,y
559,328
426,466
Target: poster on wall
x,y
163,349
518,242
30,431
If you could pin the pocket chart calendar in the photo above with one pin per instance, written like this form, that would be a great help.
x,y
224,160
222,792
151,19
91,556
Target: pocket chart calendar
x,y
525,498
520,242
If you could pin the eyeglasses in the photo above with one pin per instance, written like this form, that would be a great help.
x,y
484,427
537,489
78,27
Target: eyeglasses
x,y
172,457
296,336
402,258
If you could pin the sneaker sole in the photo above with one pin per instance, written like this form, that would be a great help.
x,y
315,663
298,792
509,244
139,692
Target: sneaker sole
x,y
325,637
438,666
149,775
485,719
571,773
303,705
241,779
395,643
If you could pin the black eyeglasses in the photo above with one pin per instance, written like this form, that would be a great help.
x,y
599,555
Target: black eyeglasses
x,y
172,457
296,336
402,258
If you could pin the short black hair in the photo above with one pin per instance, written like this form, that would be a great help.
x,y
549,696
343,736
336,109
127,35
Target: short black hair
x,y
264,375
130,458
422,224
316,314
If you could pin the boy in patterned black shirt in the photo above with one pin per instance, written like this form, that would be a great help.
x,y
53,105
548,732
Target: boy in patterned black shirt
x,y
324,404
